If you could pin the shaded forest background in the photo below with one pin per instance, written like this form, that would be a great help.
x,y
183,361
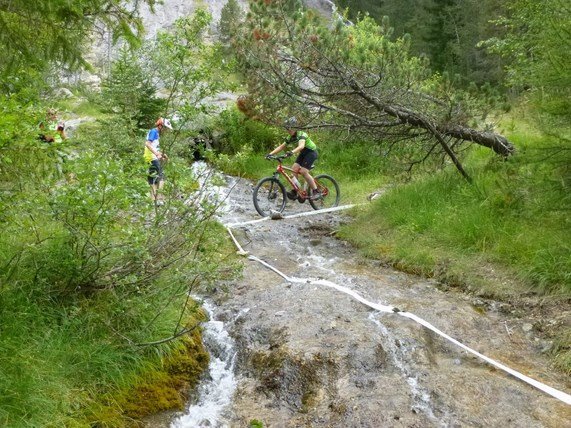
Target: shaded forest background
x,y
448,32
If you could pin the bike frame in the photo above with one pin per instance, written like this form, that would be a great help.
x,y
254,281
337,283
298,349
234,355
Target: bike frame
x,y
274,196
283,171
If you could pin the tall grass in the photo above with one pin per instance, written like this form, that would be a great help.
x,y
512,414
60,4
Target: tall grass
x,y
515,215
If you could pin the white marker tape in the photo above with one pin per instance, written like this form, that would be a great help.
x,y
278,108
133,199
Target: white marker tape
x,y
304,214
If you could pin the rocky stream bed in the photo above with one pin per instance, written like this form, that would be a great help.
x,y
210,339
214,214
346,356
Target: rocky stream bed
x,y
307,355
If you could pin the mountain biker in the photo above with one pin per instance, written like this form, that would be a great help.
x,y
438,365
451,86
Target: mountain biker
x,y
306,151
154,156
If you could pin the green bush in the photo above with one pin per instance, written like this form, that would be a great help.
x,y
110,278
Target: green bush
x,y
90,269
239,131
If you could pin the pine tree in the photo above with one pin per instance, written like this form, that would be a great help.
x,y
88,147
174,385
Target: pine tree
x,y
129,91
537,48
445,31
231,17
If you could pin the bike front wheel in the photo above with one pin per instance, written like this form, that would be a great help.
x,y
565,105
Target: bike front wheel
x,y
330,193
269,195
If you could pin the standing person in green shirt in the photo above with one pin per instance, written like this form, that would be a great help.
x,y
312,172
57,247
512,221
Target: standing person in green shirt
x,y
53,132
306,151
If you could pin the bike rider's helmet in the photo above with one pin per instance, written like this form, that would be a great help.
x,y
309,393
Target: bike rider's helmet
x,y
290,123
164,122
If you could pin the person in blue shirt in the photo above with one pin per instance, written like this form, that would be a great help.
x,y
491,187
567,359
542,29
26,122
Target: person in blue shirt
x,y
154,157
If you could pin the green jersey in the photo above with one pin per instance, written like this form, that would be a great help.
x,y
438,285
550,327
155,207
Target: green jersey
x,y
300,135
53,126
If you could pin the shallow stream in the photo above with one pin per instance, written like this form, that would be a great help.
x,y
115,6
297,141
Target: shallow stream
x,y
216,391
308,355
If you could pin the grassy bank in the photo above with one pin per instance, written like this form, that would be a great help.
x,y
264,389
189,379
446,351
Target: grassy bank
x,y
59,364
91,360
515,216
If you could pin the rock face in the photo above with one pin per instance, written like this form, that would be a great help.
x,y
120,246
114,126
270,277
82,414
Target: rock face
x,y
103,51
167,13
325,7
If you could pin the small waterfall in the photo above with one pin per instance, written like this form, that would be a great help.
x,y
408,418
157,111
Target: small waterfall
x,y
215,393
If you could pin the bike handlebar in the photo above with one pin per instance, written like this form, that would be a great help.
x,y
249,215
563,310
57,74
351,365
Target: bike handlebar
x,y
278,158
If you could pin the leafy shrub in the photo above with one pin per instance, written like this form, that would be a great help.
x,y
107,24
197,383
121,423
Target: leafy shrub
x,y
90,268
239,131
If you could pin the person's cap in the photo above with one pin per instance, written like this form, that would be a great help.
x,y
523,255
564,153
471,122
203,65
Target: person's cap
x,y
164,122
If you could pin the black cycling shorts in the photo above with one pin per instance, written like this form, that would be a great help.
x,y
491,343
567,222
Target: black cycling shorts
x,y
155,172
306,158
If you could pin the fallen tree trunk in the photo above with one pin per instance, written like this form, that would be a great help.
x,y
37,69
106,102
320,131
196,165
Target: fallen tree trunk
x,y
498,143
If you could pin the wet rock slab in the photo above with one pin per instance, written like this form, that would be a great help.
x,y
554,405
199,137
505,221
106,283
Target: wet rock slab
x,y
310,356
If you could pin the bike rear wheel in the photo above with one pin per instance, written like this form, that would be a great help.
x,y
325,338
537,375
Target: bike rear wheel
x,y
330,193
269,195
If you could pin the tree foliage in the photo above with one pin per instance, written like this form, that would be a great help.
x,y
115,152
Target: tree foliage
x,y
354,78
537,49
37,33
445,31
89,267
129,91
86,260
231,18
187,68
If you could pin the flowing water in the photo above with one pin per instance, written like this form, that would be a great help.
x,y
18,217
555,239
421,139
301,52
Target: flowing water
x,y
216,391
307,352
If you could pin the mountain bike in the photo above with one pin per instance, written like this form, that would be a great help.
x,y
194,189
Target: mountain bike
x,y
270,193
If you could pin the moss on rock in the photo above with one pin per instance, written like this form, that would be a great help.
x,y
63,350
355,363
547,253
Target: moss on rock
x,y
163,385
